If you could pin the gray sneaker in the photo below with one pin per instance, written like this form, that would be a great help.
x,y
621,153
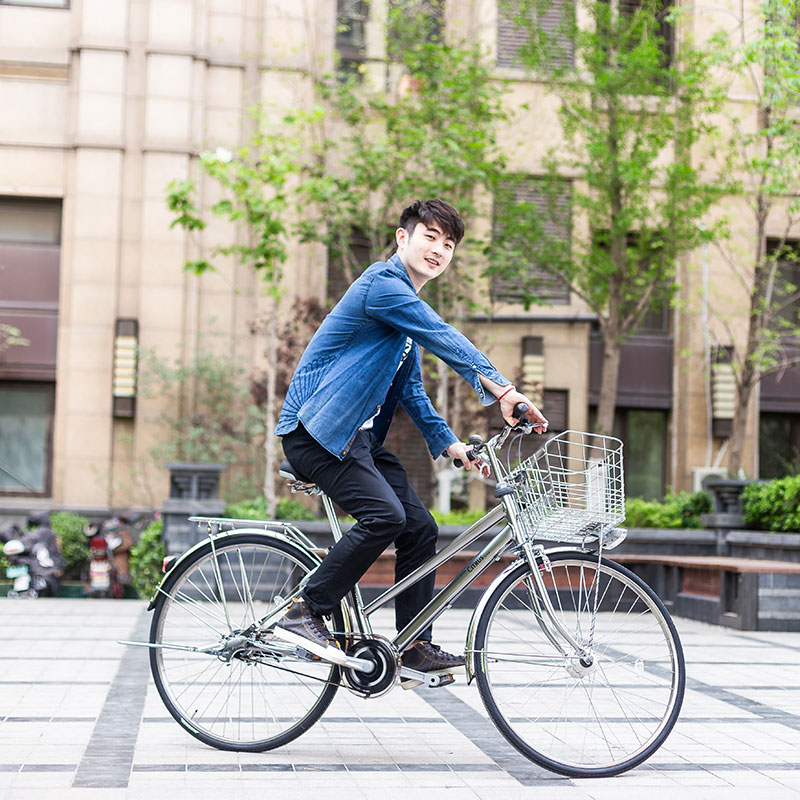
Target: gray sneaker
x,y
304,627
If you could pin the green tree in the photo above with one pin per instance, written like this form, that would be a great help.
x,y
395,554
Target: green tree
x,y
630,116
764,145
215,420
254,199
433,134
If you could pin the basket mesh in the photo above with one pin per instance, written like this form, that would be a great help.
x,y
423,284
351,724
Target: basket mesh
x,y
571,488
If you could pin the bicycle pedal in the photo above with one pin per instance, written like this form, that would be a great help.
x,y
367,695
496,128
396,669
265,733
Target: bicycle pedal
x,y
411,678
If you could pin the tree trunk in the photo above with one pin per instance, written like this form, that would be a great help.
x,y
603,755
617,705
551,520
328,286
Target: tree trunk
x,y
269,438
748,376
739,425
608,384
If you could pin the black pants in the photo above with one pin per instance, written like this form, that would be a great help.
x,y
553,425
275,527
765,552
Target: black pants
x,y
371,485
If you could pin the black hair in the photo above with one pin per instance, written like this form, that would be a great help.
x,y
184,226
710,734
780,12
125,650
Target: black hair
x,y
433,211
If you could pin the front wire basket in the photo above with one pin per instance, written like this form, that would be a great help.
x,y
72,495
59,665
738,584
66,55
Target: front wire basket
x,y
572,489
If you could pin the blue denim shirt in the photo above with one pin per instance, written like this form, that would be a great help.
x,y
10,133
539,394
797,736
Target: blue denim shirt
x,y
348,373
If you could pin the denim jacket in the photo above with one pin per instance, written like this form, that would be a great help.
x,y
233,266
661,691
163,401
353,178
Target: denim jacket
x,y
348,373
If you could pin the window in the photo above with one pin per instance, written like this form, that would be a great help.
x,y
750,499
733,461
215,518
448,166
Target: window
x,y
664,32
351,35
787,281
344,268
554,20
26,415
656,320
414,21
555,406
27,220
30,232
525,273
778,445
644,435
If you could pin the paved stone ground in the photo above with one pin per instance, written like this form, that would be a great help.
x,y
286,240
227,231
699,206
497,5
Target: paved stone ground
x,y
80,718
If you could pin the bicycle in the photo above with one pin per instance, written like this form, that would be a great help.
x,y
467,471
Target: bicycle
x,y
576,659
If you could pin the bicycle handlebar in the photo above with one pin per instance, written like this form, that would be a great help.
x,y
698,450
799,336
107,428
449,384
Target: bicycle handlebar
x,y
519,412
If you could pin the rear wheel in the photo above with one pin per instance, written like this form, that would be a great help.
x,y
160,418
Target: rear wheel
x,y
240,698
589,717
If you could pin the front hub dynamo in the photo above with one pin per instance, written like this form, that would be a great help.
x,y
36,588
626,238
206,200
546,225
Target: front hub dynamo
x,y
386,662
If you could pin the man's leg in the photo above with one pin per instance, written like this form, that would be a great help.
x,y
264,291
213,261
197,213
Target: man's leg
x,y
415,545
356,486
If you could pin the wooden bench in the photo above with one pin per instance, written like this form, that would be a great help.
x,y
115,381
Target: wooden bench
x,y
742,593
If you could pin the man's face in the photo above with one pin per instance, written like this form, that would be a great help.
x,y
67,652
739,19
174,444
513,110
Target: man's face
x,y
425,253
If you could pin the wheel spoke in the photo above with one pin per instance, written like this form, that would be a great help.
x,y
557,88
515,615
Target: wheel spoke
x,y
597,717
236,701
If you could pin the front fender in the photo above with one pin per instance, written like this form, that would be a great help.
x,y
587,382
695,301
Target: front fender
x,y
469,647
272,533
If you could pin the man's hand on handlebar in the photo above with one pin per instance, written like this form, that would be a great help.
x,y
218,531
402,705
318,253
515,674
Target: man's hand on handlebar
x,y
459,450
510,399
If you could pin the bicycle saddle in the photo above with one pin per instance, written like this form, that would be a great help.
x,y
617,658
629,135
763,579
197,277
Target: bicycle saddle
x,y
287,471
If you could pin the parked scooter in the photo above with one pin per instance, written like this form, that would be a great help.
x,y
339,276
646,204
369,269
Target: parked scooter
x,y
34,557
106,573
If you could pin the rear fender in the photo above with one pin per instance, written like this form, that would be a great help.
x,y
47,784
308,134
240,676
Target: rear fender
x,y
270,533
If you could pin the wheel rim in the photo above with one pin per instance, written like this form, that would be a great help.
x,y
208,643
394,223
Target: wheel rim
x,y
246,701
610,714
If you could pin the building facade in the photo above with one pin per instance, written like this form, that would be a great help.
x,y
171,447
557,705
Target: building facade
x,y
107,101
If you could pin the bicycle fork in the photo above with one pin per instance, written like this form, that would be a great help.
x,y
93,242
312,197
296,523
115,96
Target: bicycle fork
x,y
543,607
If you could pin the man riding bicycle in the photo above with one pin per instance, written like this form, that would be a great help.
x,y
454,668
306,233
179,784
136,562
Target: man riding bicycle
x,y
362,361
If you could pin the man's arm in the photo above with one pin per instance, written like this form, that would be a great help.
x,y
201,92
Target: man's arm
x,y
441,440
394,303
508,398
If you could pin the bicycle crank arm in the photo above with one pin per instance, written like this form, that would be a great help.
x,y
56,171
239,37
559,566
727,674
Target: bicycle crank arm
x,y
275,648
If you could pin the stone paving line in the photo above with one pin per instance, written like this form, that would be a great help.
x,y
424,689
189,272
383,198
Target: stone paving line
x,y
80,718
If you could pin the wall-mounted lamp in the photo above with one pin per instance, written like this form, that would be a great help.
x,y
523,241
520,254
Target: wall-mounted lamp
x,y
533,368
723,392
123,388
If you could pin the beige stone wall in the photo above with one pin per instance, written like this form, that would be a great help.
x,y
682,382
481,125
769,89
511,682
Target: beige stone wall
x,y
106,102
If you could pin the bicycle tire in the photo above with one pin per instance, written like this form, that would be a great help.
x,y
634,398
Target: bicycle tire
x,y
579,721
240,705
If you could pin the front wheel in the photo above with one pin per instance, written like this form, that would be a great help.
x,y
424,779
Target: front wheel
x,y
583,717
242,698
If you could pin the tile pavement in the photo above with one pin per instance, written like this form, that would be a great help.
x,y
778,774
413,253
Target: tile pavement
x,y
80,718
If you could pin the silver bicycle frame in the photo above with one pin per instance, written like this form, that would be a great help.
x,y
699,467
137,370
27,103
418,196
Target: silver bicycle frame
x,y
446,596
511,534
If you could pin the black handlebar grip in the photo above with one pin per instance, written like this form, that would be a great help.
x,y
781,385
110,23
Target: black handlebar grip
x,y
471,455
520,410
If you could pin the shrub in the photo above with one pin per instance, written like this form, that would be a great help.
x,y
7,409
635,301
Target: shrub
x,y
74,544
257,509
773,505
680,510
459,517
147,556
